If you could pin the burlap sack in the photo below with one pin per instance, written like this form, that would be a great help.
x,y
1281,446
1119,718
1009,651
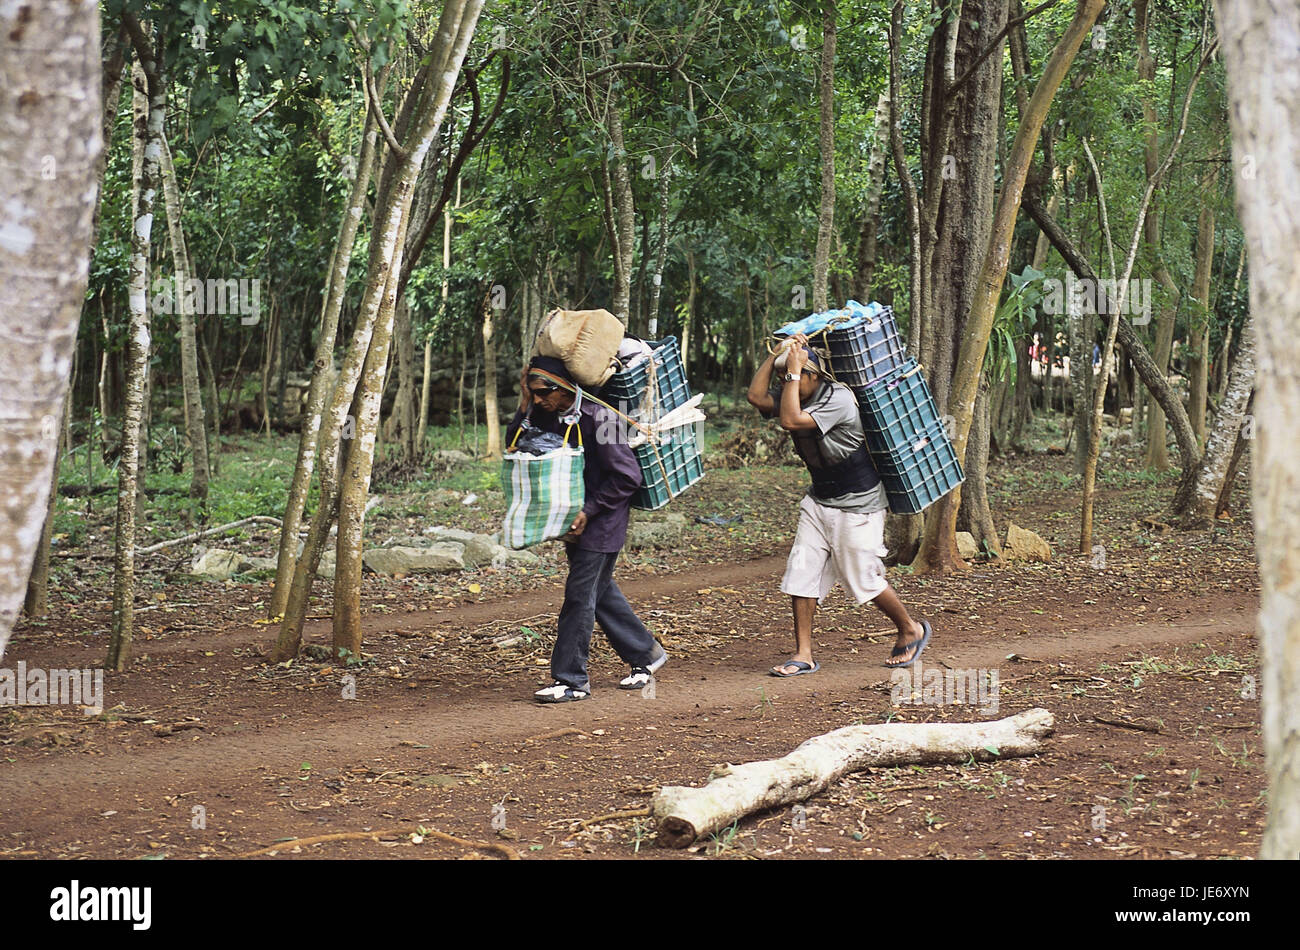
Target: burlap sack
x,y
585,340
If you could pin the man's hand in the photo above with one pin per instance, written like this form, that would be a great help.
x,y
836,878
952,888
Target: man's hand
x,y
579,525
798,357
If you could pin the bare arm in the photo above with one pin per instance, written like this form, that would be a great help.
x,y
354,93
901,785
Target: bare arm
x,y
759,395
793,418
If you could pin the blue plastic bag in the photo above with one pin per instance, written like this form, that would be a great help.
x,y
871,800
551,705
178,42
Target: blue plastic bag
x,y
851,314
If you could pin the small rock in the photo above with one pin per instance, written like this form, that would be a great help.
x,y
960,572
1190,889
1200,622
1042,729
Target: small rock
x,y
444,496
259,564
442,533
216,564
469,499
524,559
443,556
1023,545
481,550
326,569
407,542
966,545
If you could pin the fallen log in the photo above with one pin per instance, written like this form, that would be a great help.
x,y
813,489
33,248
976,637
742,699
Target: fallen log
x,y
687,814
209,532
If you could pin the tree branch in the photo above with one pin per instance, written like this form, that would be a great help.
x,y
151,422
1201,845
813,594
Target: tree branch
x,y
1146,367
672,67
377,108
474,134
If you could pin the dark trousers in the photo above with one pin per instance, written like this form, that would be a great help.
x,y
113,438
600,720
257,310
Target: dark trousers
x,y
591,596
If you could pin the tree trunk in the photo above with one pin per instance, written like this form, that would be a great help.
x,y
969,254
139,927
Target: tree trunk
x,y
36,602
1198,355
826,139
1022,411
269,327
1080,373
1221,364
974,500
392,206
916,306
150,136
322,370
213,414
1115,312
620,209
661,251
354,486
1157,437
1262,60
404,411
195,430
51,114
491,412
938,548
1223,507
1197,499
687,814
961,151
140,117
865,268
690,313
426,387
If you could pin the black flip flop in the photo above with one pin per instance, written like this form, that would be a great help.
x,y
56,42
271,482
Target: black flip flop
x,y
800,668
899,651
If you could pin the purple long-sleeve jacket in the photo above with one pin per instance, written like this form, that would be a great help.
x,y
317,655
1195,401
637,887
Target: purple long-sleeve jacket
x,y
610,472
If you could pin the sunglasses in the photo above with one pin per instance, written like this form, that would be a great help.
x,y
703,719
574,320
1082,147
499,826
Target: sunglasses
x,y
543,390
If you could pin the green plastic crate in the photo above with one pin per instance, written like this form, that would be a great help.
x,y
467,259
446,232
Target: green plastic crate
x,y
665,474
920,473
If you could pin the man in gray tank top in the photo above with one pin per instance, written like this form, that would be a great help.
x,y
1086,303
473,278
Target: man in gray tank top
x,y
841,529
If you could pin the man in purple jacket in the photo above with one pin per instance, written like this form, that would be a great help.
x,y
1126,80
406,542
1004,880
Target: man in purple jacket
x,y
611,476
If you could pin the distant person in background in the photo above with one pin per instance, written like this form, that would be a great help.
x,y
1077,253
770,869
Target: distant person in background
x,y
842,517
611,475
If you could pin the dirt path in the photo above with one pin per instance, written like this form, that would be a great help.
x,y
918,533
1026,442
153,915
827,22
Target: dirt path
x,y
435,726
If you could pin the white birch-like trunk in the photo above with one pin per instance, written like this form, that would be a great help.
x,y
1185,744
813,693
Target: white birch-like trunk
x,y
355,482
50,141
1261,52
826,138
491,411
455,28
137,368
322,371
1198,494
195,430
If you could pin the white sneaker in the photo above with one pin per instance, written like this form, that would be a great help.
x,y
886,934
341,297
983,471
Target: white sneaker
x,y
641,675
559,693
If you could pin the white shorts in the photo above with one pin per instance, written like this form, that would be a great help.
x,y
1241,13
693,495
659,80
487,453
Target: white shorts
x,y
833,544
